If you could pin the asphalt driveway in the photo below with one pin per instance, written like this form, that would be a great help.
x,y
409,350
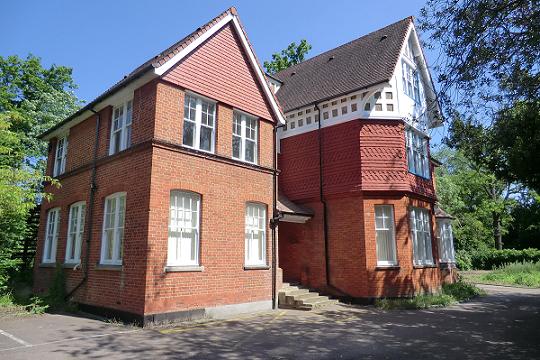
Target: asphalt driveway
x,y
504,325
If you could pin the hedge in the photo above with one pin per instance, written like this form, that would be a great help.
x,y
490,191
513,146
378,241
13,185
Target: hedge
x,y
491,259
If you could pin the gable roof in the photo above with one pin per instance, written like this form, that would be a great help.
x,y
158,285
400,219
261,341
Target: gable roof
x,y
361,63
163,61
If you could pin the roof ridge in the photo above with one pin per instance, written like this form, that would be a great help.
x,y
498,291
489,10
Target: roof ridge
x,y
408,18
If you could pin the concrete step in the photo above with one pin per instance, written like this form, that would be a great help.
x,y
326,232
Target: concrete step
x,y
297,297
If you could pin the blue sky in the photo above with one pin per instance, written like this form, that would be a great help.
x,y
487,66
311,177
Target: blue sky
x,y
104,40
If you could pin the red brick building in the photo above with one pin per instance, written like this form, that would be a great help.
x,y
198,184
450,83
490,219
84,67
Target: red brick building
x,y
355,152
169,180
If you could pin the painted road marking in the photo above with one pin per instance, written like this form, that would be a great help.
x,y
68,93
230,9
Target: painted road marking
x,y
63,340
14,338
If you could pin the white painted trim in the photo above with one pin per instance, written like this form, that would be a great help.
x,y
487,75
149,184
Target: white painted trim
x,y
255,65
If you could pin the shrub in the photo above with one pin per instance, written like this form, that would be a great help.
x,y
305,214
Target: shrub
x,y
492,259
461,290
416,302
463,260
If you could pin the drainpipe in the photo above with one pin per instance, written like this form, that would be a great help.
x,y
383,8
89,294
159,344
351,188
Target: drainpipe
x,y
90,208
325,210
275,219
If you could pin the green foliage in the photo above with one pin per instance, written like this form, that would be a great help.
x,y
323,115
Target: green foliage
x,y
32,99
463,260
476,198
417,302
293,55
524,231
57,292
492,259
462,291
518,273
37,305
450,294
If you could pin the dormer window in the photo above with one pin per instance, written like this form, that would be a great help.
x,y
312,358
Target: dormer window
x,y
60,156
121,127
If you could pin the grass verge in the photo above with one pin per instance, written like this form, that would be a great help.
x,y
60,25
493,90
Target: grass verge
x,y
521,274
450,294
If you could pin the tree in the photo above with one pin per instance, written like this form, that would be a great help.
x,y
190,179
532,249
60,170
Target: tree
x,y
480,202
32,99
293,55
489,74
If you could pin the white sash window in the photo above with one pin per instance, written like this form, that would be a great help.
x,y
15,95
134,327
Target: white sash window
x,y
385,235
51,236
121,127
446,245
183,247
60,156
199,123
421,236
255,236
113,229
417,153
75,232
244,141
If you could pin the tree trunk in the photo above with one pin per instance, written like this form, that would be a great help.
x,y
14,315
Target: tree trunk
x,y
497,233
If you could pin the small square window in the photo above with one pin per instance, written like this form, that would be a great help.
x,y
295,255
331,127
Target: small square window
x,y
367,107
291,116
377,95
354,107
300,122
308,120
389,96
325,106
293,125
378,107
325,115
285,127
343,110
300,113
317,118
334,112
334,102
343,100
390,107
364,94
353,97
308,111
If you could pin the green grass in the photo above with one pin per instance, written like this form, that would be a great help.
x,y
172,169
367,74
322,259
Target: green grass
x,y
13,306
450,294
522,274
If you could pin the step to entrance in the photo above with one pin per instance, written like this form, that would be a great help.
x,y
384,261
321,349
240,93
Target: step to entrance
x,y
292,296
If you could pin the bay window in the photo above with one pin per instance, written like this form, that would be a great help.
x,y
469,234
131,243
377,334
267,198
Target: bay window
x,y
446,241
51,236
183,245
385,235
60,156
199,123
255,235
417,153
244,141
75,232
113,229
121,127
421,236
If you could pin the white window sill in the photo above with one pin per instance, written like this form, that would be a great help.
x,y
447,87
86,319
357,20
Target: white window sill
x,y
257,267
387,266
47,264
113,267
184,268
71,265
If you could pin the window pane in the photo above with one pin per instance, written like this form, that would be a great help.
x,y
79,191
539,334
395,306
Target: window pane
x,y
250,151
237,146
206,138
189,133
183,228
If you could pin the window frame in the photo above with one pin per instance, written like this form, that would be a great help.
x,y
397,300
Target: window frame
x,y
117,247
76,244
59,166
446,243
244,117
125,128
392,232
248,227
426,238
173,262
417,153
51,236
411,80
198,124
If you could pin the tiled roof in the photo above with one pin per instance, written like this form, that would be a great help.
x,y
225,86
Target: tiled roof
x,y
154,62
361,63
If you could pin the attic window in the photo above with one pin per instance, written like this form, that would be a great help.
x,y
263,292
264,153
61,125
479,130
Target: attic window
x,y
353,97
343,100
308,111
300,113
325,106
334,103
